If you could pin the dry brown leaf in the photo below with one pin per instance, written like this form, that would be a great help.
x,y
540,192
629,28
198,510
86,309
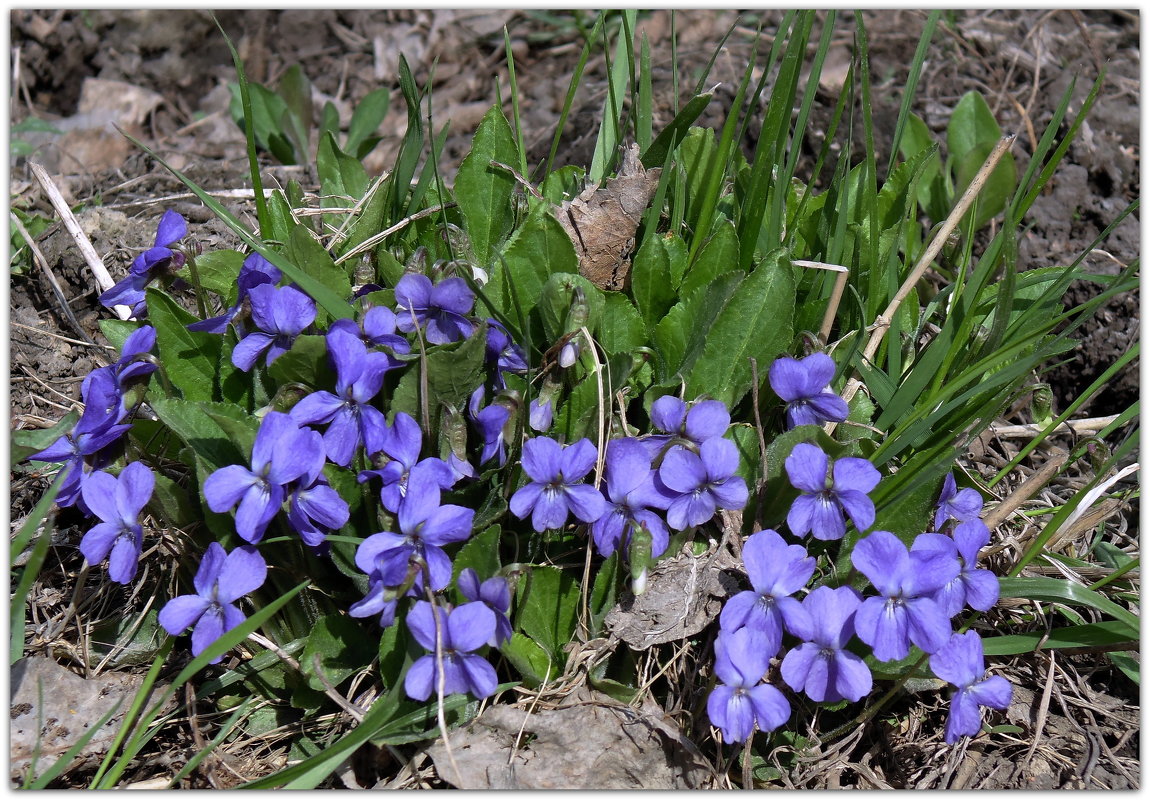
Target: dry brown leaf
x,y
683,595
602,221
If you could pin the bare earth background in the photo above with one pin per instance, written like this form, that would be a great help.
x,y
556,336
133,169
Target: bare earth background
x,y
163,76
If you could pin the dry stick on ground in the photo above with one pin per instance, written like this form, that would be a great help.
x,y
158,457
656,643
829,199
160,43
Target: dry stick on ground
x,y
882,322
95,263
1026,490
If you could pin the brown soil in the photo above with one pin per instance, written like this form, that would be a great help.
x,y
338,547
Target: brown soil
x,y
1020,60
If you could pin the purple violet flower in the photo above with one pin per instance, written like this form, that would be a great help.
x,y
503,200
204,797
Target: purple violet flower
x,y
402,442
540,414
822,667
130,290
491,422
972,587
555,488
353,420
960,504
741,701
442,307
701,483
117,501
776,571
128,366
904,610
630,489
705,420
461,631
97,428
496,593
960,662
280,314
819,509
281,454
805,386
425,527
314,508
222,579
256,270
502,352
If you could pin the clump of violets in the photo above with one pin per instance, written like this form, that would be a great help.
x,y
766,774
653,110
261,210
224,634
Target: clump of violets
x,y
822,667
700,484
282,453
452,641
805,386
956,504
904,611
631,496
742,700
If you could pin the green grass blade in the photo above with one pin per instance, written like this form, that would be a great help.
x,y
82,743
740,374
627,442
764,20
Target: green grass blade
x,y
250,134
910,92
31,570
572,88
643,119
334,305
225,643
1090,635
611,127
1056,590
515,101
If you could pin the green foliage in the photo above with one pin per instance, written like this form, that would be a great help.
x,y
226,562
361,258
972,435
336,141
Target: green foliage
x,y
283,120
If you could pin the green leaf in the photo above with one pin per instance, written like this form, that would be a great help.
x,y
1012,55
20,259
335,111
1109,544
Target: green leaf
x,y
218,271
656,154
651,280
481,554
555,302
755,324
547,606
970,136
365,121
190,421
720,255
604,592
1037,588
310,256
484,192
117,331
188,358
682,334
537,249
453,373
170,503
531,660
27,441
343,179
306,363
622,329
340,644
